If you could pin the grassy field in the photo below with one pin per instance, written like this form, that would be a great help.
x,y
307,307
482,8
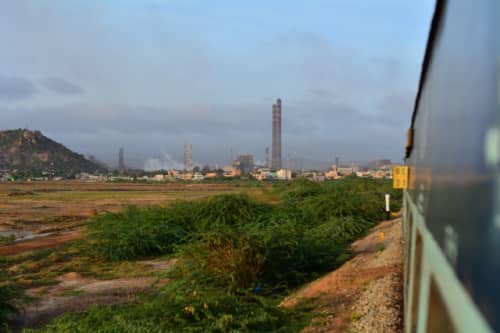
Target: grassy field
x,y
240,248
40,204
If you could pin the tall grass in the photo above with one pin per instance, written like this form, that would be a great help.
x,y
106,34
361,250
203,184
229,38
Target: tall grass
x,y
140,232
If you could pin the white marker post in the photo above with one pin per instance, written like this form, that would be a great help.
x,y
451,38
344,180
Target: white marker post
x,y
387,206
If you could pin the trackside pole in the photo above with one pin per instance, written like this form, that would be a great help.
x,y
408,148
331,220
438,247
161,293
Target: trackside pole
x,y
387,206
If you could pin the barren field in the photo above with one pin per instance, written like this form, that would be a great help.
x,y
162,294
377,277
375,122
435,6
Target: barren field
x,y
45,214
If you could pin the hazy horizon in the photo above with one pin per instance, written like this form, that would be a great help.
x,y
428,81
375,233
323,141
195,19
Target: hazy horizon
x,y
149,76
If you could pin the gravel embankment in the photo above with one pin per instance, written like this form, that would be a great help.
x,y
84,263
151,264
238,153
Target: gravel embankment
x,y
365,294
378,309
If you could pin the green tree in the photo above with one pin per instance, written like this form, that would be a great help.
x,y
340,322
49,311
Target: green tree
x,y
205,169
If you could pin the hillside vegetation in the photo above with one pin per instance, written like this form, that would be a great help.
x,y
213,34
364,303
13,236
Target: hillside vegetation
x,y
238,256
31,154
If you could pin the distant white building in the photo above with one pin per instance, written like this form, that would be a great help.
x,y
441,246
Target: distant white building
x,y
284,174
332,173
198,176
264,174
89,177
5,178
313,175
348,170
121,178
159,177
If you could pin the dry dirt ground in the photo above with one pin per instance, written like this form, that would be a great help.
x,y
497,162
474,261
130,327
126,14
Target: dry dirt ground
x,y
365,294
74,292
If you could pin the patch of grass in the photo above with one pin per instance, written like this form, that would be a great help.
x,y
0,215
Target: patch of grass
x,y
19,193
74,292
7,239
355,316
43,207
186,309
42,267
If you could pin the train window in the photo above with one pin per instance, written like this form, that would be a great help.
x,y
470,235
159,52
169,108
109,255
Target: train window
x,y
415,281
438,318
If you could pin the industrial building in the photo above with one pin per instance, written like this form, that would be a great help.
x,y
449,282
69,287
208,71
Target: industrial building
x,y
245,163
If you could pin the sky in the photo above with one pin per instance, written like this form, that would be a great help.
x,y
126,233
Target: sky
x,y
152,75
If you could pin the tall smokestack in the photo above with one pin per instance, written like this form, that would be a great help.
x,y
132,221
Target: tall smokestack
x,y
121,161
276,159
185,157
190,157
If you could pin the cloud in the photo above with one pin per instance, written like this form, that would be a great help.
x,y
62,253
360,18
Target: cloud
x,y
16,88
151,80
61,86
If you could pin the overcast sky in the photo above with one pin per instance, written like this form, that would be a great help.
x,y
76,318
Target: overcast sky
x,y
151,75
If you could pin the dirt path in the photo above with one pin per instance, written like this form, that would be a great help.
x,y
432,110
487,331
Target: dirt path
x,y
75,293
364,294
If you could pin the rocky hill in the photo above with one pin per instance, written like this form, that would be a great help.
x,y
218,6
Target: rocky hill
x,y
31,154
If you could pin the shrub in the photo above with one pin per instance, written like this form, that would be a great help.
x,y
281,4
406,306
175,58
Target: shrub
x,y
230,210
136,233
294,254
227,259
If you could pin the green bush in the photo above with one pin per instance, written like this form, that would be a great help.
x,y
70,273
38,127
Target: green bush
x,y
227,259
230,210
140,232
294,254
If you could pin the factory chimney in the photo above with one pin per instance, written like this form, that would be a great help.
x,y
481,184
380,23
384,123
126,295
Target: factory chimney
x,y
185,157
276,153
190,157
121,161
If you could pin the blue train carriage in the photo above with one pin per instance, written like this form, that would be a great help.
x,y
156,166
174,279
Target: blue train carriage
x,y
452,176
